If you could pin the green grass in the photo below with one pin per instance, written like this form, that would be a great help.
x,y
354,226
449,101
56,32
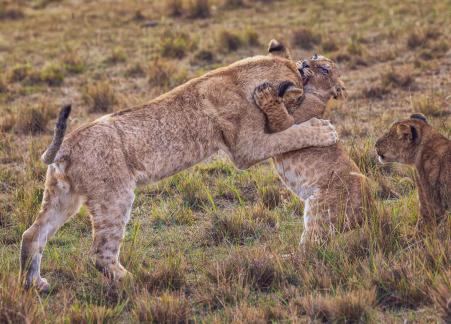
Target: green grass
x,y
214,244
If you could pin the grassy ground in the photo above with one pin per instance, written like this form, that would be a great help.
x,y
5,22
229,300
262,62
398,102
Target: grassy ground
x,y
212,243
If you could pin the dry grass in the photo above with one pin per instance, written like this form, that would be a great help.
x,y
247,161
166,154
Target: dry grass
x,y
420,37
398,77
165,74
193,9
234,228
52,74
73,63
93,314
215,244
28,120
245,313
376,91
329,45
306,38
240,227
165,309
19,72
229,41
393,77
118,55
10,12
135,71
251,37
257,269
100,97
17,306
3,85
262,215
193,191
204,56
270,196
347,307
174,8
169,274
197,9
430,105
176,45
173,212
233,4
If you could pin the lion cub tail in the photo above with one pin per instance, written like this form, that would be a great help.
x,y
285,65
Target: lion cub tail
x,y
58,135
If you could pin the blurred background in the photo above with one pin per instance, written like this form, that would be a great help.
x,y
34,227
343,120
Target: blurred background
x,y
206,244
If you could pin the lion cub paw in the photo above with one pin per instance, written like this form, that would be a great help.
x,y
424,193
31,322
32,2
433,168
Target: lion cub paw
x,y
265,96
41,285
320,133
318,122
327,134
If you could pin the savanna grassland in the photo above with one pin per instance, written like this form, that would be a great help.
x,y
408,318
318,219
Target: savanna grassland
x,y
214,244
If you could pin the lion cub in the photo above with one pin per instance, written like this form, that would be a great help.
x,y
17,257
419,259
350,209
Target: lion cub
x,y
415,142
326,179
101,163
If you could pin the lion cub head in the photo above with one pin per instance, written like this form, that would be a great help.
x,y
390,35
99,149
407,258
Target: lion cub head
x,y
321,75
402,141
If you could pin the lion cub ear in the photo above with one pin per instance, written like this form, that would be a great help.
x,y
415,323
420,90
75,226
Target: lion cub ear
x,y
276,48
419,116
408,133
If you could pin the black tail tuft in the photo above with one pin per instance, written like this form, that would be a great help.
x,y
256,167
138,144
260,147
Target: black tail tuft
x,y
58,135
65,112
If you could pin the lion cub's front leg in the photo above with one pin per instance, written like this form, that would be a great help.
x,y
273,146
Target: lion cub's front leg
x,y
266,98
255,145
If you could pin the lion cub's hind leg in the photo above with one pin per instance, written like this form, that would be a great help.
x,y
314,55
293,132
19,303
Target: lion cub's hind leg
x,y
59,203
110,215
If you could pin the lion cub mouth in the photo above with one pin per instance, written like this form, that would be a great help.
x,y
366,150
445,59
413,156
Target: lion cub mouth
x,y
305,71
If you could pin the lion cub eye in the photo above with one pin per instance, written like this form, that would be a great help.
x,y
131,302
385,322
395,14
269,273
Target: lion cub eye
x,y
323,70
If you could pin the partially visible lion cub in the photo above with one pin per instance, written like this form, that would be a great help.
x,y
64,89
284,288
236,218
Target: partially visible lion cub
x,y
413,141
101,163
326,179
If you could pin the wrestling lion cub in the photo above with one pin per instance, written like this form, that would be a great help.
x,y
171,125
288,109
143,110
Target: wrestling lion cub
x,y
326,179
415,142
101,163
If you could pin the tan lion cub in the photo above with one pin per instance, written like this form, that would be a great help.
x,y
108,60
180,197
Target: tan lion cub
x,y
326,179
101,163
415,142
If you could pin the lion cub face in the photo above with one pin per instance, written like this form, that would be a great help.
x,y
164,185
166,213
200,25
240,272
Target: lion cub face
x,y
401,142
321,75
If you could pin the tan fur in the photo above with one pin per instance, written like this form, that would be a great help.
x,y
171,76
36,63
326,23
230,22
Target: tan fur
x,y
102,162
415,142
326,179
